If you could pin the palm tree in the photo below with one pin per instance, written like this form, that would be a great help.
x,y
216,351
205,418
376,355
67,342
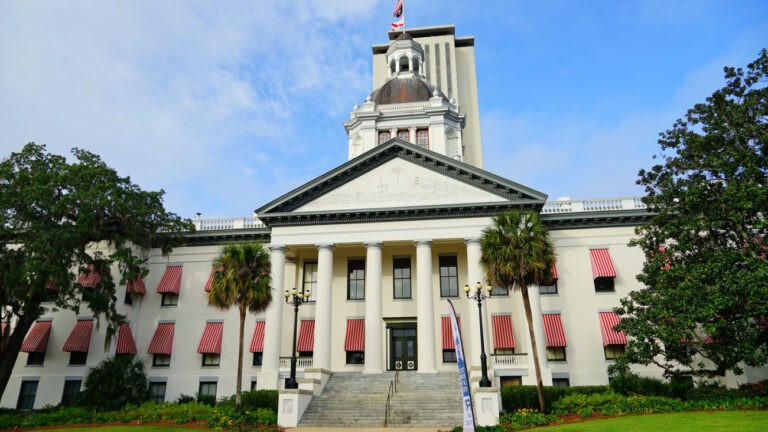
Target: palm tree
x,y
241,278
517,253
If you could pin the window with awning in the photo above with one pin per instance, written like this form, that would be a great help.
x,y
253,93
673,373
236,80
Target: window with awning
x,y
614,341
257,343
210,342
125,341
162,341
89,279
37,338
550,286
208,284
449,347
554,336
306,340
171,280
79,339
503,333
354,341
603,272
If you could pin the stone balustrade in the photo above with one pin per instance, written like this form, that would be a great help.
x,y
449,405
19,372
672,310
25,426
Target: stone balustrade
x,y
592,205
227,224
301,363
509,360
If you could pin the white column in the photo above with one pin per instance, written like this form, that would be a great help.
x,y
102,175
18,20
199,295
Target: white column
x,y
538,331
373,319
322,349
412,135
393,132
474,275
273,333
425,311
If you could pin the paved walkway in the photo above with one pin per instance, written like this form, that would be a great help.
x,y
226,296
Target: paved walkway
x,y
366,429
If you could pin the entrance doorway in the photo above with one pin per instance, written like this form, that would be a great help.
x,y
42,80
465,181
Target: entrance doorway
x,y
402,347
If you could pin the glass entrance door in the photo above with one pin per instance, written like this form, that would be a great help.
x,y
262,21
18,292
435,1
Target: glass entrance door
x,y
403,349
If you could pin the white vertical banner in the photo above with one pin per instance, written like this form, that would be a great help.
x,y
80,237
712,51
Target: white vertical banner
x,y
469,417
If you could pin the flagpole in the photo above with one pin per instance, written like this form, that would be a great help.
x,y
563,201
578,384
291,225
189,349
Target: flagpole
x,y
403,16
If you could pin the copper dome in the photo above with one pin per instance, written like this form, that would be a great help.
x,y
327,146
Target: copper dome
x,y
404,90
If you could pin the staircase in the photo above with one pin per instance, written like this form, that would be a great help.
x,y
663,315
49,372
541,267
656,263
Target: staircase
x,y
353,399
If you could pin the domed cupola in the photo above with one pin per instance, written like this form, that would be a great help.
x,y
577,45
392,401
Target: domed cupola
x,y
404,89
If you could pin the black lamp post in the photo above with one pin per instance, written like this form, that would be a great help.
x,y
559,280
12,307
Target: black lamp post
x,y
479,294
294,298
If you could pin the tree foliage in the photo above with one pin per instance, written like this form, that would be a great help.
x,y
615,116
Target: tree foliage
x,y
241,279
113,383
517,253
52,213
703,309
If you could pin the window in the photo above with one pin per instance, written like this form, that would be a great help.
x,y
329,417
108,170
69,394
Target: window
x,y
449,356
207,389
401,269
128,298
500,291
509,381
449,277
257,358
422,138
503,351
35,358
157,392
604,284
612,352
556,353
355,357
161,360
77,358
404,135
310,279
71,390
384,136
548,289
211,359
561,382
356,279
170,299
253,385
27,395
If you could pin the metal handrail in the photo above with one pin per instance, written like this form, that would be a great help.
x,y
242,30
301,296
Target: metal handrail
x,y
390,393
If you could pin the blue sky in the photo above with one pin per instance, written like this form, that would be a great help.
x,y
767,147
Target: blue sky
x,y
227,105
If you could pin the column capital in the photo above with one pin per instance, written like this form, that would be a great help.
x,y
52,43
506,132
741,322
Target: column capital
x,y
277,248
423,242
326,246
373,244
471,240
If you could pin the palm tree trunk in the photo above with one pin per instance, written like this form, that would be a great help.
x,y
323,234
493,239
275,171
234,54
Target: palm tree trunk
x,y
529,318
239,385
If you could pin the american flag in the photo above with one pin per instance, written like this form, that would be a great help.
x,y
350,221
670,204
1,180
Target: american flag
x,y
398,9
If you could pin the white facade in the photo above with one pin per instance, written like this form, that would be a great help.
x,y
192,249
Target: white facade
x,y
388,237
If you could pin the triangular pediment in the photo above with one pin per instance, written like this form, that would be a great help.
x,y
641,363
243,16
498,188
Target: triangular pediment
x,y
398,180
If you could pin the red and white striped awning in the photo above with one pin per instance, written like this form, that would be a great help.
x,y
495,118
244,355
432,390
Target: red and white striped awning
x,y
80,338
306,340
37,338
355,339
602,266
609,320
210,342
448,332
125,342
257,343
162,341
503,334
90,279
2,327
214,269
137,286
171,281
553,330
554,271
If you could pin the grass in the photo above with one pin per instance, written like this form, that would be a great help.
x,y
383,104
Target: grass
x,y
128,429
698,421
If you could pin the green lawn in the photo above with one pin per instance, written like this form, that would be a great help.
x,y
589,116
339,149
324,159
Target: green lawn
x,y
700,421
128,429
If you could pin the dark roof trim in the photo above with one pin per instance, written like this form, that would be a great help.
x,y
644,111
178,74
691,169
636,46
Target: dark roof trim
x,y
220,237
417,32
601,219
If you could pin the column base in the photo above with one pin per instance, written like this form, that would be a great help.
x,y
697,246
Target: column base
x,y
487,406
291,406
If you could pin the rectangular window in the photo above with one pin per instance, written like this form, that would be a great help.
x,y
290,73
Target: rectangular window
x,y
556,353
384,136
604,284
207,389
355,357
404,135
548,289
157,392
503,351
449,356
71,390
449,276
257,358
612,352
170,299
27,395
500,291
401,269
35,358
253,385
356,279
77,358
210,359
128,298
509,381
422,138
561,382
310,279
161,360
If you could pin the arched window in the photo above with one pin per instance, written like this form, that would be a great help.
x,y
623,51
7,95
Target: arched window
x,y
403,64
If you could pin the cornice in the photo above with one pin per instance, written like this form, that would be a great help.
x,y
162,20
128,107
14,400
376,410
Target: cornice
x,y
598,219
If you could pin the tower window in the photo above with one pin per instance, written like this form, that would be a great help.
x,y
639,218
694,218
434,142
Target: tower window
x,y
384,136
403,64
404,135
422,138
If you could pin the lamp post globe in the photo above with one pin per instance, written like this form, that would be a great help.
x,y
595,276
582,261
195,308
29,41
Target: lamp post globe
x,y
295,299
479,294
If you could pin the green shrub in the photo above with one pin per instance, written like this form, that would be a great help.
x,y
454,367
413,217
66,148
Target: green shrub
x,y
226,417
113,383
524,418
517,397
631,384
183,399
257,399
